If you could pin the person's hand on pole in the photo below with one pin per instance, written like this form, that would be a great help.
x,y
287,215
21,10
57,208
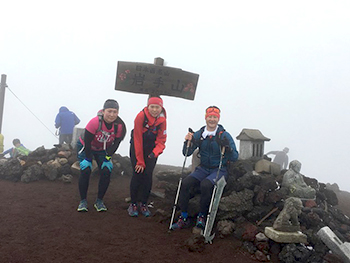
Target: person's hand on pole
x,y
226,144
189,136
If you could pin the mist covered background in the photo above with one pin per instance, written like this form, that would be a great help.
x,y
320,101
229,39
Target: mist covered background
x,y
280,67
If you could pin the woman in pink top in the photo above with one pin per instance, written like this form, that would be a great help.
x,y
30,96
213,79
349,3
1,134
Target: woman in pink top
x,y
100,140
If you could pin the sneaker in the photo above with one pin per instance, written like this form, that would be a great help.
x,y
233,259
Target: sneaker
x,y
83,207
200,221
144,210
132,210
181,223
100,206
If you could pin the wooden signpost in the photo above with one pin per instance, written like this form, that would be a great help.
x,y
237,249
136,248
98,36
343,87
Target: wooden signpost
x,y
155,79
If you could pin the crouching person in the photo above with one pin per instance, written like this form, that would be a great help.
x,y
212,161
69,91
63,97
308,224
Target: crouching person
x,y
100,140
209,139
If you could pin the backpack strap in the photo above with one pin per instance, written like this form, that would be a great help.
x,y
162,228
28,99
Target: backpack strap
x,y
145,119
145,122
200,140
217,136
100,120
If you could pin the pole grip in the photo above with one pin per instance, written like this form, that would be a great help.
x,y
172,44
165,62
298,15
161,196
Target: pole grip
x,y
189,142
222,150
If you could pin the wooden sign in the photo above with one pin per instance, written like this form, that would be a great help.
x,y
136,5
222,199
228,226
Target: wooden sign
x,y
155,80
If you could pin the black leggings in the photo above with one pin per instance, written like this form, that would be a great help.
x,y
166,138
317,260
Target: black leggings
x,y
141,183
206,188
84,178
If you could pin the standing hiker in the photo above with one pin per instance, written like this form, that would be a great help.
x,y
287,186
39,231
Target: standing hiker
x,y
281,157
147,143
100,140
209,139
65,122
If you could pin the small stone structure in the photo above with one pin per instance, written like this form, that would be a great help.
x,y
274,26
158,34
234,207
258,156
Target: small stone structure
x,y
294,181
251,146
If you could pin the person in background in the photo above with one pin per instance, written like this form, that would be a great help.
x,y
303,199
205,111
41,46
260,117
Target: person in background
x,y
210,140
281,157
147,143
65,122
100,140
17,150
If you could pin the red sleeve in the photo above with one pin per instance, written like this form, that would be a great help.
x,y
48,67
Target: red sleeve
x,y
161,139
138,139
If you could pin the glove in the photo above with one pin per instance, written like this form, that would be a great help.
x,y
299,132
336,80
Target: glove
x,y
107,158
152,155
225,143
107,164
85,164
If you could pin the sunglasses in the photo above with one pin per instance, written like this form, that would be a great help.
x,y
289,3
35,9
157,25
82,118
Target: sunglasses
x,y
212,109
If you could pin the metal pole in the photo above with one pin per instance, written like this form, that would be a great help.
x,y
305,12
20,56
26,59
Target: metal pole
x,y
158,62
2,97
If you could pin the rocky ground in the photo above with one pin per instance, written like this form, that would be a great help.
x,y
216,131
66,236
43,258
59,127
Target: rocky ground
x,y
39,223
39,196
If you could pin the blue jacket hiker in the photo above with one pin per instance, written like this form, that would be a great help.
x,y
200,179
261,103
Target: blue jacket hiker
x,y
65,122
209,139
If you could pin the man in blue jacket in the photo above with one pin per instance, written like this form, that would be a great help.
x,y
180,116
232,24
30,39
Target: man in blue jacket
x,y
209,139
65,121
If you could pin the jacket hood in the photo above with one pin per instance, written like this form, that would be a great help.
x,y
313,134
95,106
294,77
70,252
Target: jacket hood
x,y
63,109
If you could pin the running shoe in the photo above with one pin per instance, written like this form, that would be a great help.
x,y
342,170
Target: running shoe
x,y
181,223
144,210
83,207
200,221
100,206
132,210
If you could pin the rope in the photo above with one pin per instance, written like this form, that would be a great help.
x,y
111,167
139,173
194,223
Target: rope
x,y
31,112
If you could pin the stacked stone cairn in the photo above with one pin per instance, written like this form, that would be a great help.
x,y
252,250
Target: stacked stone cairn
x,y
254,197
59,163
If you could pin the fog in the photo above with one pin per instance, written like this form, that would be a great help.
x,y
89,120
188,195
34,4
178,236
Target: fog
x,y
280,67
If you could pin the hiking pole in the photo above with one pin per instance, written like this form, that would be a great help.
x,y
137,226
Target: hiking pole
x,y
214,202
180,181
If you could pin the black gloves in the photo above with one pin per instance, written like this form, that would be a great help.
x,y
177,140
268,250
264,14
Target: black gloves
x,y
225,143
151,155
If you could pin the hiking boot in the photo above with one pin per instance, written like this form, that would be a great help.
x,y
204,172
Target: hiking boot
x,y
200,221
83,207
181,223
100,206
144,210
132,210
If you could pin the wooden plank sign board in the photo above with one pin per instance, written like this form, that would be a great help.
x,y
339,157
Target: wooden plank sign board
x,y
152,79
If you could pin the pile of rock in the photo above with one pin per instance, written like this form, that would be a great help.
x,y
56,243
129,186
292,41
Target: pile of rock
x,y
252,201
59,163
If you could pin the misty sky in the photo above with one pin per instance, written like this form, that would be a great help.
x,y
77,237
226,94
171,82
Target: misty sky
x,y
278,66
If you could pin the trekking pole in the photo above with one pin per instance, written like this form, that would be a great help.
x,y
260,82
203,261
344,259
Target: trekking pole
x,y
212,212
180,181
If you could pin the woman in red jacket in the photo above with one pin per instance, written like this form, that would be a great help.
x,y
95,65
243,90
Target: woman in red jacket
x,y
147,143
